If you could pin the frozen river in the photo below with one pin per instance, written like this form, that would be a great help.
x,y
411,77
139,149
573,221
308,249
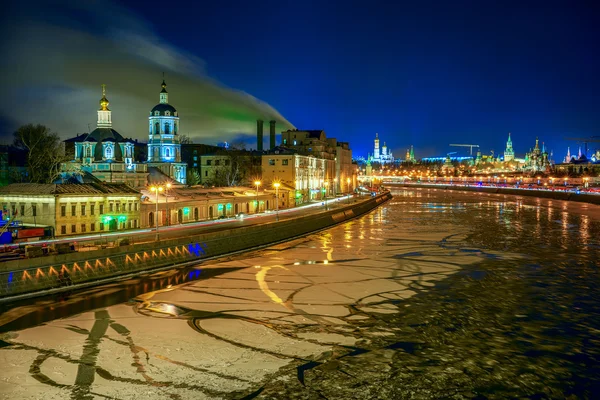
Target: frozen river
x,y
433,295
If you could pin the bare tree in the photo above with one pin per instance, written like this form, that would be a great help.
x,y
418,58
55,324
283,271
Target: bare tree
x,y
45,152
236,168
184,139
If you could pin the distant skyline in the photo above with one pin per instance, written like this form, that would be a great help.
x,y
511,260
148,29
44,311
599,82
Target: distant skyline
x,y
424,73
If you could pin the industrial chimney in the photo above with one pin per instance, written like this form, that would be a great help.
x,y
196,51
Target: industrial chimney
x,y
272,133
259,135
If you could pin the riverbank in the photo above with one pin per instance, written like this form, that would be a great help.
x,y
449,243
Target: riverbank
x,y
64,272
546,194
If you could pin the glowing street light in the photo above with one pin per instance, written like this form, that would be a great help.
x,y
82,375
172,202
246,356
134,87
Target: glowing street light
x,y
167,187
276,186
257,183
348,187
156,189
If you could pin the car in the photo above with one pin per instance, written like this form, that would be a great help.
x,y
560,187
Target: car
x,y
240,215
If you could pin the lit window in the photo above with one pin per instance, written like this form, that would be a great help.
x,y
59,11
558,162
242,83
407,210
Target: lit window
x,y
284,162
271,161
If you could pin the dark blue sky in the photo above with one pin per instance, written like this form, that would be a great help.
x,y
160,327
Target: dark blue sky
x,y
421,73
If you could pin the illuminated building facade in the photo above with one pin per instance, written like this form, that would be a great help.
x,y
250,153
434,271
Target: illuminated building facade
x,y
305,174
383,156
537,159
105,153
73,209
164,147
183,204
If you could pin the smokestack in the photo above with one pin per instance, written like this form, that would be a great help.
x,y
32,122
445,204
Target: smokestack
x,y
272,133
259,135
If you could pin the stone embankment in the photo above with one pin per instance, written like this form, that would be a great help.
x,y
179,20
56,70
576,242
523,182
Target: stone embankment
x,y
546,194
22,278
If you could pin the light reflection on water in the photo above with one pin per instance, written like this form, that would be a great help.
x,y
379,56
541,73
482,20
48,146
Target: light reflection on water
x,y
508,327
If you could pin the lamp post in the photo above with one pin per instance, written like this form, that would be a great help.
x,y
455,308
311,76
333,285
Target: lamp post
x,y
167,187
326,188
334,187
348,187
257,183
276,185
156,189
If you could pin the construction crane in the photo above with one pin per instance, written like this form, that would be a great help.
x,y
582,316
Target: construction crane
x,y
585,141
466,145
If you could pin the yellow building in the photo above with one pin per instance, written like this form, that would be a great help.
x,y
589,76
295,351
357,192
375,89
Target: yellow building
x,y
311,178
73,208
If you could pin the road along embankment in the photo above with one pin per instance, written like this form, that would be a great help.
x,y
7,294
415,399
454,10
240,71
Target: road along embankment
x,y
546,194
21,278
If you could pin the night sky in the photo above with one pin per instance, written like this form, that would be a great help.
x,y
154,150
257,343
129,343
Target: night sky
x,y
426,74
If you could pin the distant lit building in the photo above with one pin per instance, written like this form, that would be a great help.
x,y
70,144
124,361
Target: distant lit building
x,y
410,155
383,156
509,153
537,159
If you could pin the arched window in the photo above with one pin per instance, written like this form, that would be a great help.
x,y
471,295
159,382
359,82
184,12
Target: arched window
x,y
157,128
151,219
88,151
167,128
196,213
108,152
167,152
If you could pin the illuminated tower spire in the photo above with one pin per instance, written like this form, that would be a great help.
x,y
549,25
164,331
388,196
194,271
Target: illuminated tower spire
x,y
164,95
104,113
376,152
509,153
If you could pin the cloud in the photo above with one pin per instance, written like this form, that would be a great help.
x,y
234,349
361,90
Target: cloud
x,y
57,58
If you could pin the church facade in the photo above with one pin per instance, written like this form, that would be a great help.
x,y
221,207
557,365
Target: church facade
x,y
109,156
105,153
164,147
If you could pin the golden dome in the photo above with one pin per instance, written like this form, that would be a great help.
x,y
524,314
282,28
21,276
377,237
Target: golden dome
x,y
104,100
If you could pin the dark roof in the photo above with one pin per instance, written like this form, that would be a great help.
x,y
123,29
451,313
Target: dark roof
x,y
162,107
279,150
67,188
79,138
156,176
100,134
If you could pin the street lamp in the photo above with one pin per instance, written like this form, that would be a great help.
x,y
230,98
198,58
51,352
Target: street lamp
x,y
348,187
276,185
156,189
257,183
167,187
334,187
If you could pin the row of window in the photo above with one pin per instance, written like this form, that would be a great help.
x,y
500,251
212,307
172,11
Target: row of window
x,y
217,162
285,161
83,228
92,209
